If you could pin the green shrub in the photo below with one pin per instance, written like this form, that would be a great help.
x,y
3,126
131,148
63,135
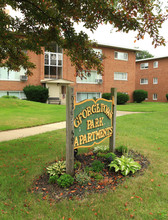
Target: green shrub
x,y
122,98
96,176
58,168
97,166
125,165
139,95
167,96
101,149
82,178
106,96
10,97
99,154
53,179
36,93
65,180
77,165
106,155
122,149
112,155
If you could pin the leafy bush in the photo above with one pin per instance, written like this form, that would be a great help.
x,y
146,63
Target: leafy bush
x,y
82,178
106,155
88,169
140,95
58,168
101,149
122,149
97,166
96,176
36,93
77,165
106,96
10,97
112,155
122,98
65,180
125,164
53,179
167,97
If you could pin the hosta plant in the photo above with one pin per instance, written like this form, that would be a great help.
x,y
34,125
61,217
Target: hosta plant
x,y
125,165
101,148
58,168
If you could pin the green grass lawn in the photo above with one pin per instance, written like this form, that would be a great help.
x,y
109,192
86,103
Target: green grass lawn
x,y
16,113
143,197
144,107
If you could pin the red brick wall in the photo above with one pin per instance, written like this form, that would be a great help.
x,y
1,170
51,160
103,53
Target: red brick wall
x,y
161,89
38,74
110,66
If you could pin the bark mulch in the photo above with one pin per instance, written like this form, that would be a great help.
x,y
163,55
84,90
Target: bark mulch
x,y
111,180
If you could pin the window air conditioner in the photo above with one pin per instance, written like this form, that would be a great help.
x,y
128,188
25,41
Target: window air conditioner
x,y
99,81
23,77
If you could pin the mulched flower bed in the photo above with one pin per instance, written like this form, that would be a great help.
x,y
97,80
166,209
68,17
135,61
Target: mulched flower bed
x,y
53,192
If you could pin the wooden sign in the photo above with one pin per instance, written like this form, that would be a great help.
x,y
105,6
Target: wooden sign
x,y
92,122
88,123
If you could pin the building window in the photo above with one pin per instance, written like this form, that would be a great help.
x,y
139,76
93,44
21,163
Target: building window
x,y
144,66
92,78
155,64
143,81
155,80
53,61
18,94
155,96
87,95
11,75
120,76
120,55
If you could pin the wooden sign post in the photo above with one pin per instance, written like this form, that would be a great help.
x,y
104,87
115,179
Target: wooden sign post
x,y
87,123
114,104
70,130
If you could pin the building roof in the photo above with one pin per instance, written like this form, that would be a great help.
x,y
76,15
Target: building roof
x,y
56,81
119,47
152,58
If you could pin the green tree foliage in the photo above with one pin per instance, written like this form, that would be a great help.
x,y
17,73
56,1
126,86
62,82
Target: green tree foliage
x,y
143,55
46,20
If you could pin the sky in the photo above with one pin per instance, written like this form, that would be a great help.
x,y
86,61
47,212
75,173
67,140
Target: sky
x,y
106,35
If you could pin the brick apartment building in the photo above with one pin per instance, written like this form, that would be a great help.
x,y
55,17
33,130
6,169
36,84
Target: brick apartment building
x,y
54,70
152,76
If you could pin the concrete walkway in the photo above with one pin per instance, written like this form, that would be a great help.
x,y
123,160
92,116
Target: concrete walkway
x,y
25,132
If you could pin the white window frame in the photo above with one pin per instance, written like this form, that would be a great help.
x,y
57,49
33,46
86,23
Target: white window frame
x,y
123,78
11,73
58,57
98,76
145,81
154,96
155,64
19,94
118,57
144,66
96,93
155,80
